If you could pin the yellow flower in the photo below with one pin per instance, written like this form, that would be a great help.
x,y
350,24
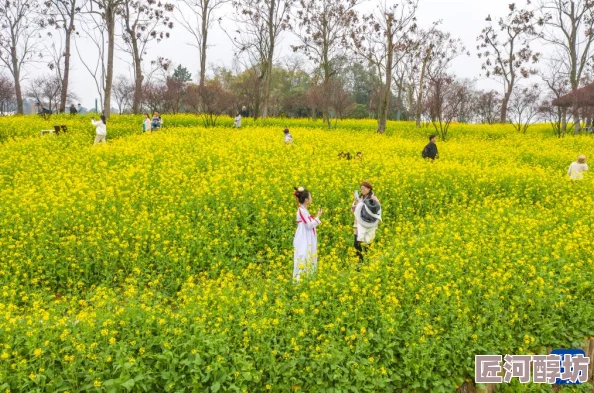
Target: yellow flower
x,y
97,383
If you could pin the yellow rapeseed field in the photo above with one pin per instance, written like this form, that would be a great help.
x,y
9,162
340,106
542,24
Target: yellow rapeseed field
x,y
163,262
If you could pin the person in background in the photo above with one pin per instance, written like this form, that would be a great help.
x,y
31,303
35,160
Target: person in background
x,y
146,124
288,137
305,242
367,211
81,110
157,122
577,168
237,123
100,129
73,110
430,151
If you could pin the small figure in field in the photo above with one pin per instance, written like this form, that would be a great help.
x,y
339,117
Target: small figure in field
x,y
237,122
288,137
305,242
157,122
100,129
73,110
577,168
146,124
368,213
430,151
346,155
80,109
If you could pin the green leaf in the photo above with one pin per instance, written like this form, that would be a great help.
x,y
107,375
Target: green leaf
x,y
129,384
215,387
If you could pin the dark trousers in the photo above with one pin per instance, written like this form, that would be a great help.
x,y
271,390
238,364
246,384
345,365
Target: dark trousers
x,y
359,249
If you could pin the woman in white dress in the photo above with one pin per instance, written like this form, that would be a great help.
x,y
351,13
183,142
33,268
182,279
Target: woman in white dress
x,y
305,257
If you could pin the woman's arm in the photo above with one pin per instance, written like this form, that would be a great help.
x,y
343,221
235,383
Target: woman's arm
x,y
312,224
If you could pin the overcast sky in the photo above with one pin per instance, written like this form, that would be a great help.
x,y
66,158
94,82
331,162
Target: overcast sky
x,y
463,18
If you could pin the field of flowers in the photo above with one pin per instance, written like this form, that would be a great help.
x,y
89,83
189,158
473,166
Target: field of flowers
x,y
162,262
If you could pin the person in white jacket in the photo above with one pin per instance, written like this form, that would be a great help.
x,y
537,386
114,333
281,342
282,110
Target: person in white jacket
x,y
366,221
577,168
305,258
100,129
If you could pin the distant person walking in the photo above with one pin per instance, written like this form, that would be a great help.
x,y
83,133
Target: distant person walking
x,y
237,122
577,168
73,110
430,151
80,110
100,129
146,124
305,242
367,211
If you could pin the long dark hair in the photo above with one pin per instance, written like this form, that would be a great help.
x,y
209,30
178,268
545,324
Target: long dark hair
x,y
301,195
103,119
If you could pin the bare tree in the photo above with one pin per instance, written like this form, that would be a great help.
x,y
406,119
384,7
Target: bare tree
x,y
95,33
46,89
557,81
19,40
569,26
153,96
444,100
487,106
433,53
107,13
7,95
212,100
506,51
382,39
197,17
141,21
524,107
340,99
62,14
323,29
175,95
123,90
260,24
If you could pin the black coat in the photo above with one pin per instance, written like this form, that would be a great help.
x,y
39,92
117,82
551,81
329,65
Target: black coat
x,y
431,150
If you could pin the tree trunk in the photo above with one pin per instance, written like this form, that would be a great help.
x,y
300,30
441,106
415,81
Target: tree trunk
x,y
267,84
564,121
503,114
137,73
420,96
576,115
385,100
203,48
16,72
269,61
65,79
110,21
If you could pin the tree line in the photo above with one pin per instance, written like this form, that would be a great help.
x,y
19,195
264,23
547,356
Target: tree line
x,y
347,62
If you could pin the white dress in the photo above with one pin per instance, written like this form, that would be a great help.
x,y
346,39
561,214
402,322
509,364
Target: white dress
x,y
305,258
576,170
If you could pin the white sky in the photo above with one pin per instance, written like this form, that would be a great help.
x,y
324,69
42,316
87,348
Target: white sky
x,y
463,18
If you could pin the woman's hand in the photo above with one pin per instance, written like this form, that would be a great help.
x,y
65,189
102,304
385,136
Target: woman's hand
x,y
320,211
